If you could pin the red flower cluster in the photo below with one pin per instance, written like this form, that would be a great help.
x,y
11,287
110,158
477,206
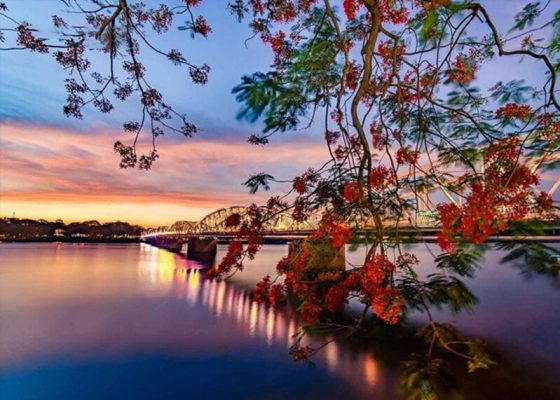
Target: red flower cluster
x,y
301,210
279,46
500,196
372,283
341,234
261,290
201,26
513,110
232,259
331,227
351,192
162,18
351,76
351,8
337,116
388,48
549,126
192,3
251,231
405,155
266,291
232,220
463,70
310,310
301,353
337,297
284,14
299,185
275,203
378,141
379,177
27,39
300,182
388,305
73,56
389,12
332,137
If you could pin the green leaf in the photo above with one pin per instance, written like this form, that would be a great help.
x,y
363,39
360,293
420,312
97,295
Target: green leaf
x,y
429,24
257,181
527,16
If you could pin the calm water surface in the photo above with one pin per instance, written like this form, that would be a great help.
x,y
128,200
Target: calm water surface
x,y
132,321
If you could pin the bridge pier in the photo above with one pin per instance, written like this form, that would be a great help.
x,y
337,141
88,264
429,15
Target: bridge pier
x,y
323,255
201,247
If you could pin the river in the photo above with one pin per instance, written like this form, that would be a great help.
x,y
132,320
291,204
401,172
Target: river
x,y
105,321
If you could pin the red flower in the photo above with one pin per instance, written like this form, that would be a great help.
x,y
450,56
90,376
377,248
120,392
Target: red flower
x,y
336,297
201,26
351,76
351,192
445,242
310,310
513,110
337,116
282,266
463,70
388,305
332,137
378,140
392,14
496,198
351,8
301,353
544,201
376,271
260,293
192,3
276,294
341,234
387,49
378,177
232,220
299,185
406,155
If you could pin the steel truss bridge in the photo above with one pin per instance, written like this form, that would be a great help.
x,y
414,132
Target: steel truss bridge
x,y
283,225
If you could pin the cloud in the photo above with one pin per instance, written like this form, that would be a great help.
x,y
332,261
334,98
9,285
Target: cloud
x,y
50,172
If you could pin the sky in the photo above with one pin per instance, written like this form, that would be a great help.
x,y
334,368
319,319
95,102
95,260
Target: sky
x,y
55,167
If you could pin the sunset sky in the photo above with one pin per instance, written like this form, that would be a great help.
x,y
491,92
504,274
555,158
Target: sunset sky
x,y
54,167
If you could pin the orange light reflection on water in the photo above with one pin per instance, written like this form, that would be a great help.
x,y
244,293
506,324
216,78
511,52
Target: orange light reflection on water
x,y
274,326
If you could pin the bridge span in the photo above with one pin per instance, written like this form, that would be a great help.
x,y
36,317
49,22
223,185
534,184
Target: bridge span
x,y
203,236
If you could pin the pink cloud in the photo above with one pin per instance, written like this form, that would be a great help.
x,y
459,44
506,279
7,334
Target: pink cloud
x,y
43,166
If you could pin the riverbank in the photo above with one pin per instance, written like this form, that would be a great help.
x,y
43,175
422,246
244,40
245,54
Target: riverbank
x,y
73,240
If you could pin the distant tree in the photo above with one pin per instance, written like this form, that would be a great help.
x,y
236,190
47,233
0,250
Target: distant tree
x,y
394,85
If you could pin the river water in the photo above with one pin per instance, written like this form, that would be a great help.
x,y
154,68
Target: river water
x,y
102,321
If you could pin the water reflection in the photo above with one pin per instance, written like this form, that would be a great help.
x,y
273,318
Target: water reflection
x,y
61,303
275,327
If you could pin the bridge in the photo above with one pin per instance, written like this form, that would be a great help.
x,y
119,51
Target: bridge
x,y
214,224
203,235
